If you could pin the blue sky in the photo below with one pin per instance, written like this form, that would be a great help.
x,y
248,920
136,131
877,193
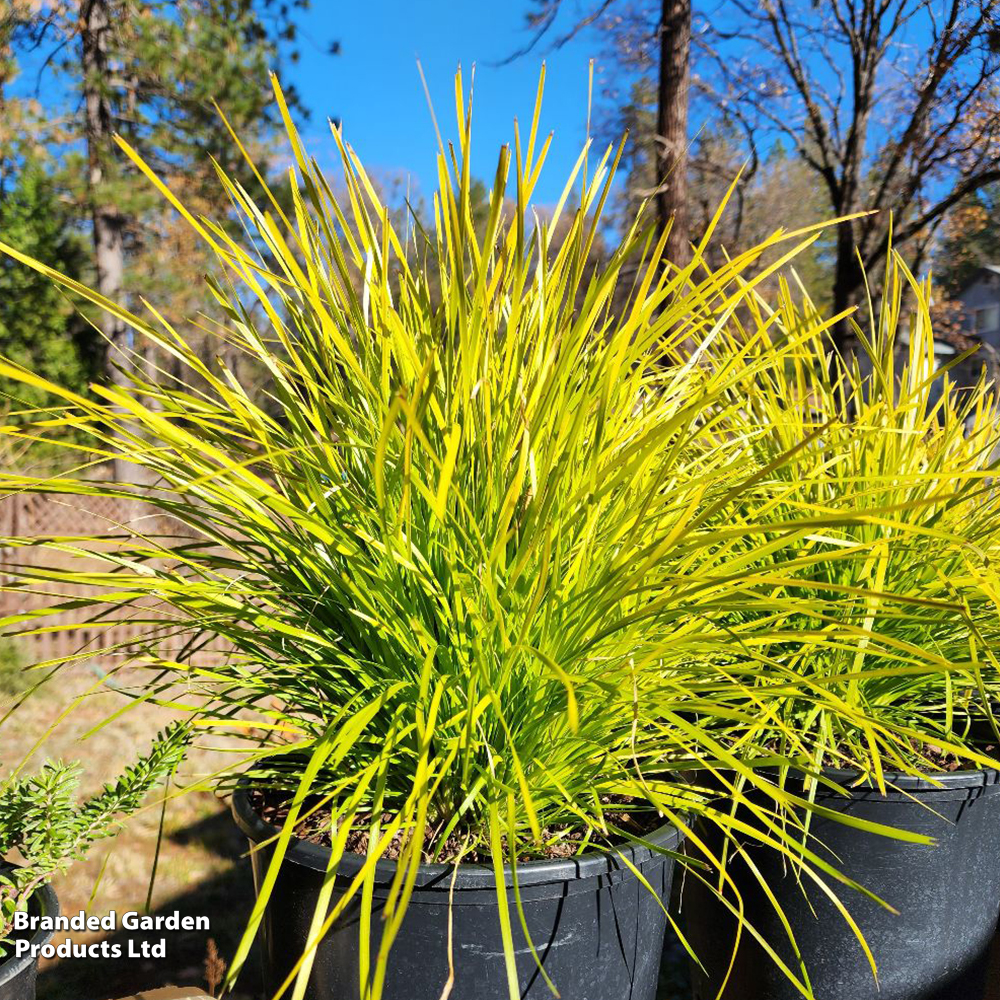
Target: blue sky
x,y
374,87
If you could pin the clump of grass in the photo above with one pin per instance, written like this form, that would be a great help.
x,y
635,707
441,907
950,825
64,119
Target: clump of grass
x,y
890,605
475,552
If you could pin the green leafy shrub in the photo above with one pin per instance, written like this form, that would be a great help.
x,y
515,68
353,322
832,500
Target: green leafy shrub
x,y
42,821
12,664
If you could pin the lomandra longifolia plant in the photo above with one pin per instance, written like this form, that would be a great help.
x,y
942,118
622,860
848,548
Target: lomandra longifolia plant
x,y
466,543
889,610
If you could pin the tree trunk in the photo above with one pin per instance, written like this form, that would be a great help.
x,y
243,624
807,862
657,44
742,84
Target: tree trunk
x,y
847,279
108,222
671,127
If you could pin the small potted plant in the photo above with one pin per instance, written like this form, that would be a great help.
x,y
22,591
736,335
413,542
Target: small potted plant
x,y
899,626
468,546
43,830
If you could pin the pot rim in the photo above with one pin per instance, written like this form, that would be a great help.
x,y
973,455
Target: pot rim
x,y
48,904
592,864
930,781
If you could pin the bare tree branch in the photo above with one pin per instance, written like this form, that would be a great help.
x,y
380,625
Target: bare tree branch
x,y
909,132
544,20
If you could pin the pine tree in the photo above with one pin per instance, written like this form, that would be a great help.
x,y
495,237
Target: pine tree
x,y
39,328
150,70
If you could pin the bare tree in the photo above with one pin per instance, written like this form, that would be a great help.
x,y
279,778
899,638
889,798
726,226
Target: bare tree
x,y
672,126
672,33
891,103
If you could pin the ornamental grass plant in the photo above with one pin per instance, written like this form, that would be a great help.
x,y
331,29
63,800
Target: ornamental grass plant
x,y
889,609
475,548
885,629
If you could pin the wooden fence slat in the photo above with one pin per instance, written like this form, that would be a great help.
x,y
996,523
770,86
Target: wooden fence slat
x,y
32,515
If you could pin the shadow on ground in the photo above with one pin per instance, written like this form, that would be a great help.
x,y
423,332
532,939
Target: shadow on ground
x,y
226,899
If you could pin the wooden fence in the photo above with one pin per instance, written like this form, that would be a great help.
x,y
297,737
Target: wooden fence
x,y
28,515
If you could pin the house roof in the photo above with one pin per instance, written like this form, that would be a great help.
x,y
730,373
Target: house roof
x,y
992,268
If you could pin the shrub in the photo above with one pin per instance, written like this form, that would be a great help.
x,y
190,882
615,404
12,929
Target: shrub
x,y
42,821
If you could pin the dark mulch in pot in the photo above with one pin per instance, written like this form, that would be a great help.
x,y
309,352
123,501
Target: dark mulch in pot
x,y
945,760
272,806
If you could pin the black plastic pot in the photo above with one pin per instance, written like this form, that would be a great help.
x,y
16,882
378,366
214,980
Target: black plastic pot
x,y
947,895
17,975
597,929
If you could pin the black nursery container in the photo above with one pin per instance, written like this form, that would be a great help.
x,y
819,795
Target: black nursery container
x,y
17,975
947,895
597,929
